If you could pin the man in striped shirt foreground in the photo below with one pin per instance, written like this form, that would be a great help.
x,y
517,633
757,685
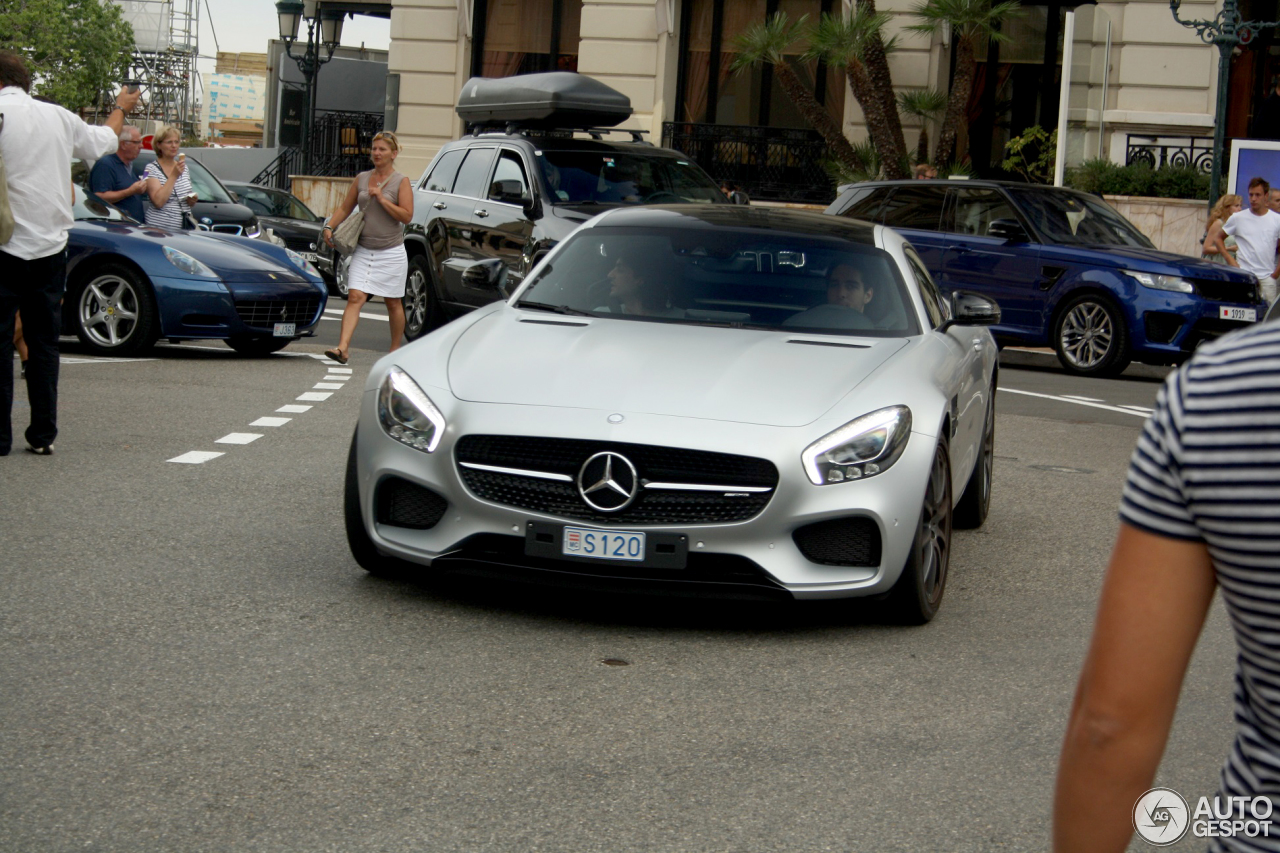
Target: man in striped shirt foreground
x,y
1201,509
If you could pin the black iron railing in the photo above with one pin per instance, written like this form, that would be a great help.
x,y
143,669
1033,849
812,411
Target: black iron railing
x,y
768,163
340,145
1195,151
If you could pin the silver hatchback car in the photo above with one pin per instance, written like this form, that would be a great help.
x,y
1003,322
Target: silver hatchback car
x,y
720,400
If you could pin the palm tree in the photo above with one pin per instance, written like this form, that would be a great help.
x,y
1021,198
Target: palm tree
x,y
843,42
971,22
876,60
767,42
924,104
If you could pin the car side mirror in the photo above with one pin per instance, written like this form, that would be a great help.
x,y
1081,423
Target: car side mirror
x,y
508,192
1007,229
973,309
485,275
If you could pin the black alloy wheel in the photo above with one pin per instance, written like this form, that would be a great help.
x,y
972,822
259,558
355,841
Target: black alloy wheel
x,y
341,276
916,597
975,500
421,313
1090,337
116,313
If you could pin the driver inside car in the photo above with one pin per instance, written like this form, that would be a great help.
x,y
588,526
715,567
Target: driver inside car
x,y
848,295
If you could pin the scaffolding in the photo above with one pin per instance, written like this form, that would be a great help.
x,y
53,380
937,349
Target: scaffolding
x,y
166,45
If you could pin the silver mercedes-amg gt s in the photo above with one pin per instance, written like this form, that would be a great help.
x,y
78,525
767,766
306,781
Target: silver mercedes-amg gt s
x,y
726,400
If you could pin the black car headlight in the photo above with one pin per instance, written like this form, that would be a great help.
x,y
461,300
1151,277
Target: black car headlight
x,y
864,447
407,413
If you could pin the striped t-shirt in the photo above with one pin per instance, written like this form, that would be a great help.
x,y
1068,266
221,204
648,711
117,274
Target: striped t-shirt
x,y
171,215
1207,469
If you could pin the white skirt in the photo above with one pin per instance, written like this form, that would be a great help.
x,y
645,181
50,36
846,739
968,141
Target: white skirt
x,y
379,272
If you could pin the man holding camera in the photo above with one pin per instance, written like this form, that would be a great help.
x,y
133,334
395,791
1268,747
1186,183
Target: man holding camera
x,y
37,142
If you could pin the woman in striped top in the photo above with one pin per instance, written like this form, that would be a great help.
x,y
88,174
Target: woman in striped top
x,y
1201,511
169,188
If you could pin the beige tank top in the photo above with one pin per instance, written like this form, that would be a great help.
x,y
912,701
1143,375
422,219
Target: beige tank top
x,y
380,230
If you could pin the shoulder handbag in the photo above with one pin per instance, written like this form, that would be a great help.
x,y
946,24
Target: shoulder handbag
x,y
6,213
347,235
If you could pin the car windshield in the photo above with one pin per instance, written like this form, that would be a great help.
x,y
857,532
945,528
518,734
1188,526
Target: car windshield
x,y
89,206
273,203
1077,219
616,177
725,277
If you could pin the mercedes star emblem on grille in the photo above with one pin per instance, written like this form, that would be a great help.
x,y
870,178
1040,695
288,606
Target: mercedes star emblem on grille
x,y
608,482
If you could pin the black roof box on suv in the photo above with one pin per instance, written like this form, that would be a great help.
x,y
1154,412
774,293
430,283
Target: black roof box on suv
x,y
553,99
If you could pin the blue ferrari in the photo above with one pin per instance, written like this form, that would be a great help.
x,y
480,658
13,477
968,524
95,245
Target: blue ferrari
x,y
130,284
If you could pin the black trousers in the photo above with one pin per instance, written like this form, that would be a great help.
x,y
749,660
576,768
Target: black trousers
x,y
35,288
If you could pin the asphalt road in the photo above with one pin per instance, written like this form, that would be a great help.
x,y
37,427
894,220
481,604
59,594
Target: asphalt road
x,y
190,659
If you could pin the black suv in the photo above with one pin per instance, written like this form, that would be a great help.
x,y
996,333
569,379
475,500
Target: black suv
x,y
491,204
217,209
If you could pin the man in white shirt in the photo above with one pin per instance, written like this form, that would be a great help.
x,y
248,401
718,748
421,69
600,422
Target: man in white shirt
x,y
1257,231
37,141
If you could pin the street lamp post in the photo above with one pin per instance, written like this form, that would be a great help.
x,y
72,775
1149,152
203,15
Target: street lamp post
x,y
324,28
1226,30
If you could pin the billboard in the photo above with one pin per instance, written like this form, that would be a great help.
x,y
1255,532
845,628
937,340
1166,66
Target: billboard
x,y
151,21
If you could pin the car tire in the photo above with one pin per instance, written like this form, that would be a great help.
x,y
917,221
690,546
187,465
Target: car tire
x,y
362,547
916,597
421,311
116,312
1090,337
975,501
258,346
341,286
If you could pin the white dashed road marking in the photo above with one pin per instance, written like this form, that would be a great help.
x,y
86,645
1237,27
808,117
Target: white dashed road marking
x,y
195,457
363,315
1083,399
239,438
1079,402
337,377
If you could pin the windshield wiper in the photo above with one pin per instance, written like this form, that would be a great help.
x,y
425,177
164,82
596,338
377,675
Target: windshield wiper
x,y
556,309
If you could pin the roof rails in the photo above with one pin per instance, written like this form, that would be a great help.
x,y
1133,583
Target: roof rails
x,y
515,128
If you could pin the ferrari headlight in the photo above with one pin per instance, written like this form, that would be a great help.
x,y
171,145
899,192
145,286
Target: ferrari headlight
x,y
407,413
861,448
1162,282
301,262
188,264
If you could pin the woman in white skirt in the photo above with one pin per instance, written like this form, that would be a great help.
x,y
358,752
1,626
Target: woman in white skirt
x,y
379,265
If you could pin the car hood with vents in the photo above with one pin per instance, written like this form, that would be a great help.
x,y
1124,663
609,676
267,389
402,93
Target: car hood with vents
x,y
522,357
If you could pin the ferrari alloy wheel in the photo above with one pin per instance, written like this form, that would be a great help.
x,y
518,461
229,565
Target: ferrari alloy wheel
x,y
116,313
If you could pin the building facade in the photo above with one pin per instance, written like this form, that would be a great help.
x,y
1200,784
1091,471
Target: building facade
x,y
1136,73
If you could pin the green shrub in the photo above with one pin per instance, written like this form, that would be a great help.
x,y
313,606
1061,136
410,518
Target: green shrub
x,y
1107,178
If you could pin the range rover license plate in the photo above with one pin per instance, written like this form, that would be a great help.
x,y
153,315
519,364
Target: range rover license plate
x,y
285,330
602,544
1249,315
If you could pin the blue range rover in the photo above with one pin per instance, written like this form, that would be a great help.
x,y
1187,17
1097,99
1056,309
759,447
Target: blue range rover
x,y
1067,269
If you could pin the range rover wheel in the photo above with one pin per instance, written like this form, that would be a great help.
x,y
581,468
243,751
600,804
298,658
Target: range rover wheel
x,y
1090,337
115,312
